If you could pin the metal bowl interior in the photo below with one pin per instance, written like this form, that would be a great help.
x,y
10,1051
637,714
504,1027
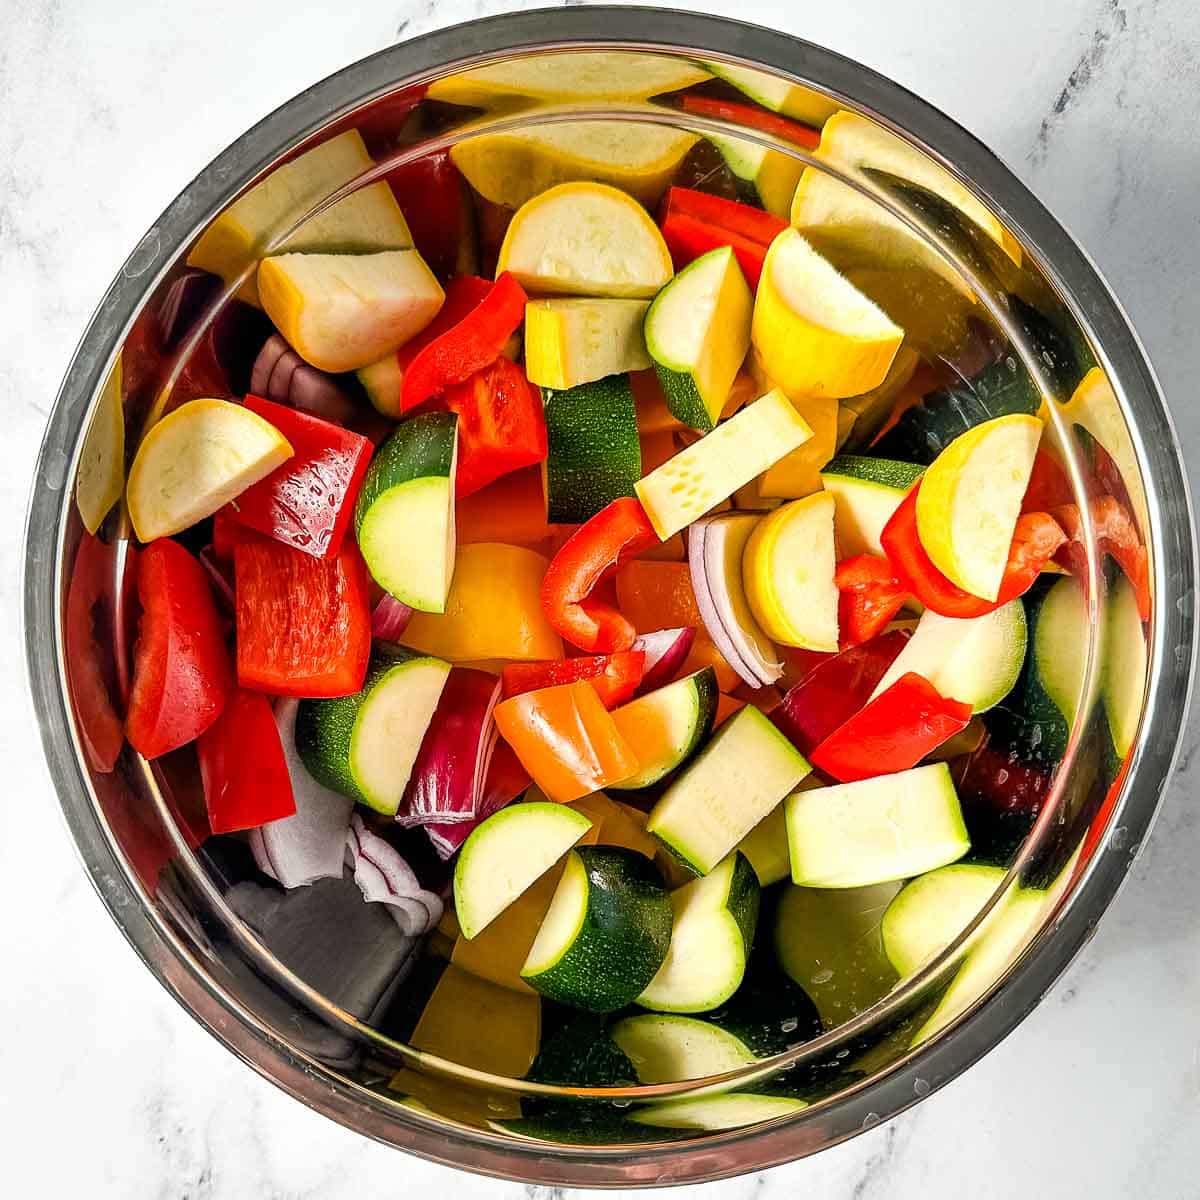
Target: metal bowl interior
x,y
992,294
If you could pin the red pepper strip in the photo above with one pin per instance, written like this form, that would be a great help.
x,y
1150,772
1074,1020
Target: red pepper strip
x,y
430,193
869,596
614,676
474,343
1099,826
1049,485
1116,535
182,676
754,118
246,780
307,502
728,216
687,239
834,690
303,623
501,425
89,659
1036,538
894,732
617,533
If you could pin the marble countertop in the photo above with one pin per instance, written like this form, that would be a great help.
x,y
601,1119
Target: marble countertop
x,y
110,1090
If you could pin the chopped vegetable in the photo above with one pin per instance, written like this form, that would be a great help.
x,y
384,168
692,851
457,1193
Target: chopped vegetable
x,y
383,380
665,652
182,676
1116,535
449,774
571,342
616,677
506,779
474,343
280,374
970,498
594,454
307,502
833,690
242,765
385,878
1036,538
585,239
494,609
869,596
196,459
817,334
712,469
591,554
736,113
565,739
501,425
303,624
895,730
341,312
100,477
789,574
434,202
741,220
867,492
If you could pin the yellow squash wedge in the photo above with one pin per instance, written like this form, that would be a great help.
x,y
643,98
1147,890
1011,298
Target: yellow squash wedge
x,y
585,239
101,474
970,499
195,460
788,569
815,333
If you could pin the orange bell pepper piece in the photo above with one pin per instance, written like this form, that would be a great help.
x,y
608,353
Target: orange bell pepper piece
x,y
566,740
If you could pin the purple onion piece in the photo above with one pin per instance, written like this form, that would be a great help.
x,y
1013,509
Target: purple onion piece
x,y
274,348
390,618
280,381
665,651
185,299
384,877
314,392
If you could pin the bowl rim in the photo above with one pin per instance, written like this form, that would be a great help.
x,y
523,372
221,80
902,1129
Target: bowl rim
x,y
1172,653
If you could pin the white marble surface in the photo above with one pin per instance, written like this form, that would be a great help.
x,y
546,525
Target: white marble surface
x,y
109,1090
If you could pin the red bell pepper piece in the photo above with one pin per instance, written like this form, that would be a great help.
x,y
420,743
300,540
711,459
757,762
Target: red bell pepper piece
x,y
892,733
738,113
687,239
501,425
1007,784
303,623
744,220
618,532
1116,535
614,676
1049,485
88,664
869,596
245,775
1036,538
474,343
182,676
430,193
834,690
306,502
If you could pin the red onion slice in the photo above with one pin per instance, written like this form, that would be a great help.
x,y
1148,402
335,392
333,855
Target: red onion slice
x,y
505,780
310,844
448,775
390,618
384,877
274,348
666,650
739,639
280,374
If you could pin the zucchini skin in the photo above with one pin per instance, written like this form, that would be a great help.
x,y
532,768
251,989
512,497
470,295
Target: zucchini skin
x,y
1001,389
624,937
324,727
593,454
421,448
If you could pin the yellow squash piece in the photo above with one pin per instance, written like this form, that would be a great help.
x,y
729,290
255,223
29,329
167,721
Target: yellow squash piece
x,y
712,469
197,459
569,342
345,311
788,569
854,229
970,499
585,239
494,609
365,221
101,474
583,75
512,167
479,1024
779,95
817,335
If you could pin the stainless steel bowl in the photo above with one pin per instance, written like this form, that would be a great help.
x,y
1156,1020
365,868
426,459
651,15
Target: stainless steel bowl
x,y
168,898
